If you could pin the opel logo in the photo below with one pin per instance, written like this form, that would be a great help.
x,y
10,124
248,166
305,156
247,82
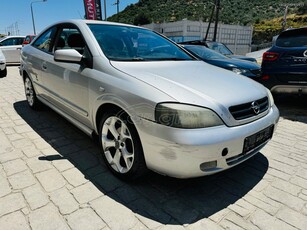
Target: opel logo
x,y
255,107
305,53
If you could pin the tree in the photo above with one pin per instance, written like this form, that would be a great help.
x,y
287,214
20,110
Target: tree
x,y
141,19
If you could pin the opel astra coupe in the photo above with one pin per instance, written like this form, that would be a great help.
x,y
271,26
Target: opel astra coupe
x,y
152,104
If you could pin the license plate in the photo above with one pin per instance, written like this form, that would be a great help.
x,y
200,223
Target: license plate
x,y
257,139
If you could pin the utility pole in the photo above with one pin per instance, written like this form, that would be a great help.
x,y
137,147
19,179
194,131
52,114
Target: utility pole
x,y
217,7
210,20
105,10
117,5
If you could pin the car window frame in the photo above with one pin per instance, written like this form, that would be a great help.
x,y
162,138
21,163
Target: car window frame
x,y
52,36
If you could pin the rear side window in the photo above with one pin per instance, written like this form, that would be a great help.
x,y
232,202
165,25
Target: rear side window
x,y
292,38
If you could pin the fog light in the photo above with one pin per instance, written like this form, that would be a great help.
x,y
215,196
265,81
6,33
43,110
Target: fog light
x,y
207,166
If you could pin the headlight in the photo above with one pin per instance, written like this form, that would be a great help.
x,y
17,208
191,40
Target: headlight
x,y
186,116
271,99
240,71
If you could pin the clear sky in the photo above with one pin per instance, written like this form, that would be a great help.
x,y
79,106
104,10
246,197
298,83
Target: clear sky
x,y
15,15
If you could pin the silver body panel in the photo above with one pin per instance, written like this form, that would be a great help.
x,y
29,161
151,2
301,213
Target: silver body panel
x,y
77,93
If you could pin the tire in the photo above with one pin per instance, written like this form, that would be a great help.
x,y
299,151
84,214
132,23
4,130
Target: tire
x,y
32,100
121,147
3,73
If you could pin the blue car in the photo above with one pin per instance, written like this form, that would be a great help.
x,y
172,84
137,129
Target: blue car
x,y
246,68
284,66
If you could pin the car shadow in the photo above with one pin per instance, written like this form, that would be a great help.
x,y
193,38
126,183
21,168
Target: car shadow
x,y
292,107
162,199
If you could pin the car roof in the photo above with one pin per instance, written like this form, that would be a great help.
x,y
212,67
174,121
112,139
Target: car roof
x,y
84,22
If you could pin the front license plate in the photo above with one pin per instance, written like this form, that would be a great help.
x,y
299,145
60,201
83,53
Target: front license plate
x,y
257,139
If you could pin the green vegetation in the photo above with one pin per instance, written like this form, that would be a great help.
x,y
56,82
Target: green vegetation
x,y
244,12
265,30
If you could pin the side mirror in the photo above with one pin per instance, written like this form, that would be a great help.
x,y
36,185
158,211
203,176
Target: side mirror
x,y
67,55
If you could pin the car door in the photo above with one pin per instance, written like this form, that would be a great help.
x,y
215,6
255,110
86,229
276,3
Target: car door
x,y
11,49
67,84
41,52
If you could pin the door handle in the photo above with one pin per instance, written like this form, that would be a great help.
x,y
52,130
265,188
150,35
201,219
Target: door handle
x,y
18,48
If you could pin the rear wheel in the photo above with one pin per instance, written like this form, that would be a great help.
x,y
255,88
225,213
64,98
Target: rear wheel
x,y
32,100
121,147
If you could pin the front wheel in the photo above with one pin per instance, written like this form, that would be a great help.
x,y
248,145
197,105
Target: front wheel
x,y
3,73
32,100
121,147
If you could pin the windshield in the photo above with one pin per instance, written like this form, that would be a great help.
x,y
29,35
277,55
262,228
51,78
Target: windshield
x,y
204,53
219,47
292,38
124,43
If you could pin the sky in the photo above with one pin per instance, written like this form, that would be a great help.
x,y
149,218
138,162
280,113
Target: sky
x,y
15,15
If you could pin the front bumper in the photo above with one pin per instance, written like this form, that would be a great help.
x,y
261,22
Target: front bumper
x,y
182,153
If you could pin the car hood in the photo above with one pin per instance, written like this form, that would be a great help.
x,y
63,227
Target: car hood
x,y
242,57
229,63
195,82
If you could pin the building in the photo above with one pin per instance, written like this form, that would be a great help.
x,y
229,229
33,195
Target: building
x,y
237,38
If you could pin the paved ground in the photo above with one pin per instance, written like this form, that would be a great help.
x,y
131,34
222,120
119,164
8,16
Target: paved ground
x,y
51,178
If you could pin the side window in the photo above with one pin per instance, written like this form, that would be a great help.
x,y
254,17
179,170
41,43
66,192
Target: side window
x,y
8,42
70,38
44,41
20,41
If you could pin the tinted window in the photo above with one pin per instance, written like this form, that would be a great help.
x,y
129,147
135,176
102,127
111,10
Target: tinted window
x,y
12,41
44,41
205,53
292,38
219,47
123,43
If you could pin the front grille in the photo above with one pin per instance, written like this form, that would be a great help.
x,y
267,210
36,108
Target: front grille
x,y
246,110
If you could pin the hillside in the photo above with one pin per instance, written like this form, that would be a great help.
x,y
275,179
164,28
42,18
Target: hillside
x,y
244,12
266,29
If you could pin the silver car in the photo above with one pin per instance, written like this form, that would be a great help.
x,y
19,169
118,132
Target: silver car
x,y
152,104
3,70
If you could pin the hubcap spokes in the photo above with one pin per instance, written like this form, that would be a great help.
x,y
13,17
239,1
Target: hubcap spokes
x,y
29,92
117,144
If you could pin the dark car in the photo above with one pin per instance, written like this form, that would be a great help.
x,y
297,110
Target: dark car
x,y
245,68
219,47
284,66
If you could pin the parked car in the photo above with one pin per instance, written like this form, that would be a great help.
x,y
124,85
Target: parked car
x,y
152,104
246,68
11,46
3,71
220,48
28,40
284,66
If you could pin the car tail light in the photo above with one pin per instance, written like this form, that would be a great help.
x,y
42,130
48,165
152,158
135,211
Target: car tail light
x,y
270,56
265,77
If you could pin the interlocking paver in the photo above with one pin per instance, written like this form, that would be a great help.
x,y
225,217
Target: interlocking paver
x,y
51,177
11,203
47,218
22,180
14,221
64,200
112,213
35,196
85,219
74,177
86,193
51,180
14,166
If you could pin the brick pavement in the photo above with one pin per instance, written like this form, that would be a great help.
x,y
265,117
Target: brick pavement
x,y
51,178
